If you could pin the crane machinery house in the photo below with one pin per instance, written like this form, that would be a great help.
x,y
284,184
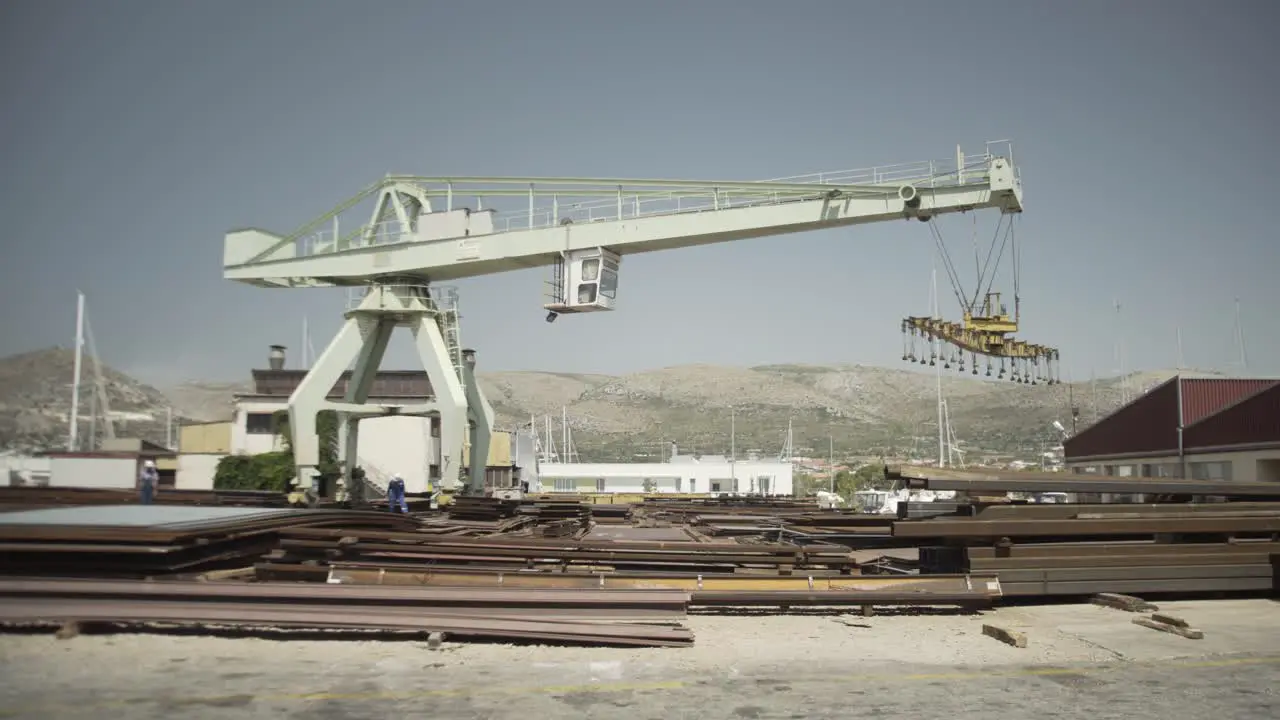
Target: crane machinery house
x,y
399,242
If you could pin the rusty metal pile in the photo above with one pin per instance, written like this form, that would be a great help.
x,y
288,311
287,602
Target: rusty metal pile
x,y
607,617
149,540
1231,544
556,569
28,498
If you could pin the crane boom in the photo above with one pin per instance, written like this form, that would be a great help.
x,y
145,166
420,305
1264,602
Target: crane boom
x,y
409,237
423,231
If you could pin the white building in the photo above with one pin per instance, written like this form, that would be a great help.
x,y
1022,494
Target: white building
x,y
18,470
406,445
708,475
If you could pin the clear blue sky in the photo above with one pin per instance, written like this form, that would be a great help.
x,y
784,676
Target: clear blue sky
x,y
135,133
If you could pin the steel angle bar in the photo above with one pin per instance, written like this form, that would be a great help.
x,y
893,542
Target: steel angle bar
x,y
837,598
1001,565
257,614
340,594
936,528
1147,572
935,479
1092,587
1070,510
1136,547
835,590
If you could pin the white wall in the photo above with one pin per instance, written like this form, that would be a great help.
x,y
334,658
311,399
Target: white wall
x,y
23,470
93,472
196,471
245,443
392,444
1246,466
399,444
683,477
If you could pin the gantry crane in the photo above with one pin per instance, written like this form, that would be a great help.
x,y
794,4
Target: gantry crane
x,y
425,231
986,328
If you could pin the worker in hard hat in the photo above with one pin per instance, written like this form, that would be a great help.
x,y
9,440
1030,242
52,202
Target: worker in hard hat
x,y
148,479
395,495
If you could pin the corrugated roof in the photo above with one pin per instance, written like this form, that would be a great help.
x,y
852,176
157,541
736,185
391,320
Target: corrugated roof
x,y
1149,424
1254,420
1202,397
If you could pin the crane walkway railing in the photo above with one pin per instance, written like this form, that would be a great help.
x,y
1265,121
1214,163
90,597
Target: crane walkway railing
x,y
548,202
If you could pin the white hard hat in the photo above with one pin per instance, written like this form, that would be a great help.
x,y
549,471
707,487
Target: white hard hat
x,y
396,476
149,463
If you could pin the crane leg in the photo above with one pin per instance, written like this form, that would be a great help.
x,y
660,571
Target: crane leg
x,y
363,340
450,399
480,416
310,397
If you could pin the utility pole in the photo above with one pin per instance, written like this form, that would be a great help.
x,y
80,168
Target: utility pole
x,y
936,348
1244,357
831,461
733,434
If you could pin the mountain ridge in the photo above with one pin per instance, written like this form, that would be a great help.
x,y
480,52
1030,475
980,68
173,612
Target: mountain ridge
x,y
862,409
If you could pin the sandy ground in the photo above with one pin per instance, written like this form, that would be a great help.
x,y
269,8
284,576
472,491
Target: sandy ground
x,y
1082,661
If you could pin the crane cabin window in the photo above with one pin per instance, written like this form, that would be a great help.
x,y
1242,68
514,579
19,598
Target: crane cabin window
x,y
609,280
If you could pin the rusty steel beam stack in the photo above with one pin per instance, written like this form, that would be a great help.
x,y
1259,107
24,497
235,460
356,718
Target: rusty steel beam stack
x,y
718,574
597,617
1087,548
143,541
30,498
970,591
303,551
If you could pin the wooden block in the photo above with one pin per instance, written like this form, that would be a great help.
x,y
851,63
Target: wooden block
x,y
1128,603
68,630
1008,637
1170,620
868,610
434,640
1186,632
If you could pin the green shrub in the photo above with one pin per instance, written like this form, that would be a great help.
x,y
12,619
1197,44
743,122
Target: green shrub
x,y
275,470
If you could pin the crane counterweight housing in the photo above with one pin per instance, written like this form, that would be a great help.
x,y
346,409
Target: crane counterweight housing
x,y
424,231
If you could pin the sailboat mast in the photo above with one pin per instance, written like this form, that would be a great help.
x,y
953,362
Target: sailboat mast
x,y
73,434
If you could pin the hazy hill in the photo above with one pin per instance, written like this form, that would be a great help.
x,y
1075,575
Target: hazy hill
x,y
865,409
35,402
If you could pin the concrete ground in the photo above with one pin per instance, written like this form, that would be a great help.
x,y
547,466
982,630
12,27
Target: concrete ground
x,y
1081,661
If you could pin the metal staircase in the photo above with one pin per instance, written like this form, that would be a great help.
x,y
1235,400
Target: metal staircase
x,y
445,300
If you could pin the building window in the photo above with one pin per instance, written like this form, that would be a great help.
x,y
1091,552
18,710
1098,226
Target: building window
x,y
564,485
600,485
259,423
715,486
765,482
1210,471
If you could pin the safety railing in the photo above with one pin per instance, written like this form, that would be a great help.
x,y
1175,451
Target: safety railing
x,y
440,299
548,202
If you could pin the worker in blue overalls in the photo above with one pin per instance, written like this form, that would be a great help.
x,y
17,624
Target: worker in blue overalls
x,y
148,478
395,495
